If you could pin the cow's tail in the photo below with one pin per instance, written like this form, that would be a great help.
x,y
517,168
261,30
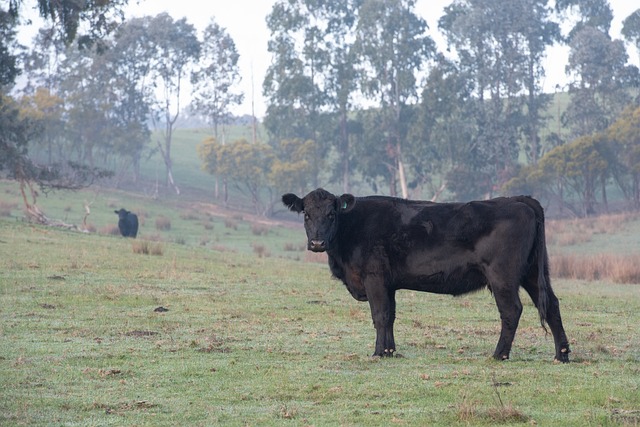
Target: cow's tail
x,y
542,258
543,283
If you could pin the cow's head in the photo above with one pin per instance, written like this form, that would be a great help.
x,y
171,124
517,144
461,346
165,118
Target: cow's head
x,y
322,212
122,213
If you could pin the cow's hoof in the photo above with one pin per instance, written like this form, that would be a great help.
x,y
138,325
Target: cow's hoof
x,y
501,357
563,357
388,352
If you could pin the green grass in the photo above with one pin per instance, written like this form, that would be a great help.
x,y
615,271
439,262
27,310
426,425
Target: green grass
x,y
192,223
275,341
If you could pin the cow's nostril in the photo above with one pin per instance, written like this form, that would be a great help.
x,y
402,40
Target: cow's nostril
x,y
317,245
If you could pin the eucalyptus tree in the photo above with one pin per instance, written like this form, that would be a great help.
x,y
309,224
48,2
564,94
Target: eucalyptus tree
x,y
67,17
394,48
311,82
216,76
293,96
127,66
444,128
624,136
500,46
9,65
339,79
175,49
599,81
631,33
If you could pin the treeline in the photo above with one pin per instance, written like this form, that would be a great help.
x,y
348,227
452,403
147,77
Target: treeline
x,y
358,94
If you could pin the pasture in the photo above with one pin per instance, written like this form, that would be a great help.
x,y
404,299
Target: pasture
x,y
209,331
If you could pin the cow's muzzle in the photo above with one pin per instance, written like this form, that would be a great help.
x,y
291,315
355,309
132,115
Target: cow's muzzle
x,y
317,245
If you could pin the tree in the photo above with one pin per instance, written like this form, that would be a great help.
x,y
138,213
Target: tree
x,y
631,29
175,48
624,135
394,47
67,16
292,159
215,76
243,163
580,165
126,66
296,81
9,68
47,109
600,78
17,128
631,32
500,47
446,133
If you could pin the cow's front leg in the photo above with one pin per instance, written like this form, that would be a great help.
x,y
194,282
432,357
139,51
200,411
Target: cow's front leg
x,y
383,312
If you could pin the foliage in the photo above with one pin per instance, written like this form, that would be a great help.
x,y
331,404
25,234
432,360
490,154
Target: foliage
x,y
68,15
244,164
291,164
215,76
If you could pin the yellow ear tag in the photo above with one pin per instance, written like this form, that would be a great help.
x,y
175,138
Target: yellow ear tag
x,y
344,205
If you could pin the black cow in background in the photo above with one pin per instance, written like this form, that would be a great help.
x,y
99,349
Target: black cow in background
x,y
377,245
127,223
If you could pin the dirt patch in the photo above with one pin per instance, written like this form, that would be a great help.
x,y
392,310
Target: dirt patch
x,y
140,334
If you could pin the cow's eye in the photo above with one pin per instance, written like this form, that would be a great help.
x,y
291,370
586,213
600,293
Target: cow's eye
x,y
331,215
306,217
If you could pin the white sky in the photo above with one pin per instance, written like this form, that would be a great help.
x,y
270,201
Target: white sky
x,y
245,21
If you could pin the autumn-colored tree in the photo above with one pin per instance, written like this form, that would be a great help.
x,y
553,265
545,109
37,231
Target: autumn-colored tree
x,y
243,164
580,166
290,169
624,134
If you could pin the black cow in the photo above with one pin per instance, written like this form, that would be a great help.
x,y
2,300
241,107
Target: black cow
x,y
377,245
127,223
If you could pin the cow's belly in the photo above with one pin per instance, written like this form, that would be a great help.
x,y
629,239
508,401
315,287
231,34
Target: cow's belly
x,y
457,282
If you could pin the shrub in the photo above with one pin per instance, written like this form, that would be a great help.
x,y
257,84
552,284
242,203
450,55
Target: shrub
x,y
260,250
146,247
259,229
163,223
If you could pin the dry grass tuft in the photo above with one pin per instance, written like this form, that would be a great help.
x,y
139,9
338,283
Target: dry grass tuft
x,y
163,223
261,250
259,229
617,268
109,230
230,223
146,247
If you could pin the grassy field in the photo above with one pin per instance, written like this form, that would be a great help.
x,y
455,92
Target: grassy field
x,y
255,337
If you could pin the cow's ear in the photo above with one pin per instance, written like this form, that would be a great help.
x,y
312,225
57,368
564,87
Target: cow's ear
x,y
346,202
293,202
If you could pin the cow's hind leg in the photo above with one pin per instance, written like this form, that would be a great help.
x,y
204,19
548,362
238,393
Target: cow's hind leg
x,y
383,312
510,309
552,317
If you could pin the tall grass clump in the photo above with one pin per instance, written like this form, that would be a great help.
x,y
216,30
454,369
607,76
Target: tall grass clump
x,y
618,268
146,247
259,229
